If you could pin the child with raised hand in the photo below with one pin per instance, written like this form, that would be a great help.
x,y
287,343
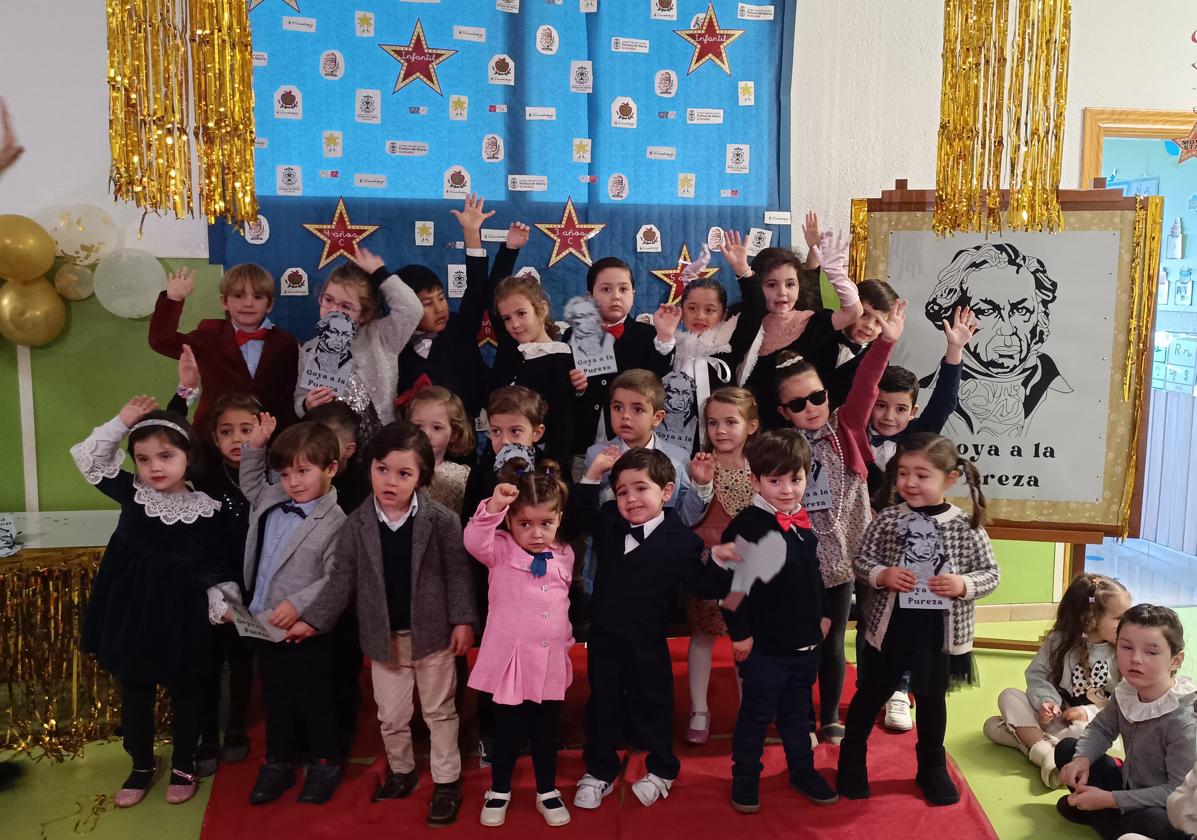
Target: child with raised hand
x,y
444,348
1152,711
837,497
145,620
515,417
929,545
244,353
357,289
524,659
731,420
777,627
1071,677
644,553
289,556
441,416
402,565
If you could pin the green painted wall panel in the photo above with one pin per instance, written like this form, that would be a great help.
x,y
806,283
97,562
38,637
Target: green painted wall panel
x,y
12,482
1027,572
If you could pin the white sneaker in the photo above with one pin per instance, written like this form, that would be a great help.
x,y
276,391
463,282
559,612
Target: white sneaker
x,y
897,712
554,815
651,788
1043,754
591,792
1134,837
494,808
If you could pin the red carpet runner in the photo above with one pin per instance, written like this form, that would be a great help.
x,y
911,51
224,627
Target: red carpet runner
x,y
697,808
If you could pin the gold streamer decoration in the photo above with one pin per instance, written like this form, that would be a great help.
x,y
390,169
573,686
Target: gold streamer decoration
x,y
172,62
1145,269
1002,106
858,249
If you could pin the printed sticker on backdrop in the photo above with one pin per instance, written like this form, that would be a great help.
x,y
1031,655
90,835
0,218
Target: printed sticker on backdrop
x,y
736,158
747,93
509,6
715,239
332,144
502,70
456,274
592,346
368,106
665,83
663,9
363,24
294,281
588,6
581,76
617,187
547,40
623,112
758,240
328,358
685,185
581,150
648,240
492,148
340,236
332,64
288,103
459,107
425,233
257,232
288,180
476,34
457,182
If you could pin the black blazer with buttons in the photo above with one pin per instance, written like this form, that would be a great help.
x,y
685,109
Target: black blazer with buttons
x,y
634,349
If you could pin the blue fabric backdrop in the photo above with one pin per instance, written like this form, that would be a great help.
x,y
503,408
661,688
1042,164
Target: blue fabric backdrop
x,y
317,59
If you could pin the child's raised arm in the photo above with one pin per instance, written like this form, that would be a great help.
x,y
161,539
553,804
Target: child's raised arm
x,y
832,256
165,337
99,457
474,301
252,475
405,309
479,535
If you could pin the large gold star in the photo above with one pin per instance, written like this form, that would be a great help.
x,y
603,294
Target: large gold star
x,y
1188,144
253,4
569,235
710,42
418,59
339,236
673,276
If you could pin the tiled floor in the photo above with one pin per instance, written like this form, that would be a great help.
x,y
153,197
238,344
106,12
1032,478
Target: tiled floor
x,y
1153,573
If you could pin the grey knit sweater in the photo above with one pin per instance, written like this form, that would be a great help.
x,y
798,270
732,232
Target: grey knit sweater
x,y
1160,739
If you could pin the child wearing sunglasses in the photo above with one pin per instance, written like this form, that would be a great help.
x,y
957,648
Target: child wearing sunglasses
x,y
837,496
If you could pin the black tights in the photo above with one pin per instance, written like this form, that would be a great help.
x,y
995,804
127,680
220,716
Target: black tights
x,y
230,647
138,725
878,678
832,663
537,722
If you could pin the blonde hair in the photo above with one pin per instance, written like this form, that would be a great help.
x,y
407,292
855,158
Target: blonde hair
x,y
740,399
527,286
247,275
352,277
461,435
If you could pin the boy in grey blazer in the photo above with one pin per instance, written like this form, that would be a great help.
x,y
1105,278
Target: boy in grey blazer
x,y
293,526
401,559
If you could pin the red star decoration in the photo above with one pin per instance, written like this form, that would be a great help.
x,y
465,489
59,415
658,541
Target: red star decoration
x,y
339,236
569,235
673,276
486,334
418,59
253,4
710,42
1188,145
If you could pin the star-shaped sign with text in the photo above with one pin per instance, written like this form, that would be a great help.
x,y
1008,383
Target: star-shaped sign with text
x,y
253,4
569,235
1188,145
673,276
340,237
710,42
418,59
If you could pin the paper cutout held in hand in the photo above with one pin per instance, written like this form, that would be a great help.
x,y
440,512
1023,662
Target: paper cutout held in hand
x,y
758,561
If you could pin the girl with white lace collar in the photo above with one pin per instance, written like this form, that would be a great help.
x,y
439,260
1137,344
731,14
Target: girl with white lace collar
x,y
530,354
1152,711
146,621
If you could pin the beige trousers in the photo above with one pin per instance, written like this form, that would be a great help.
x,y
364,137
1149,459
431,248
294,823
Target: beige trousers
x,y
395,683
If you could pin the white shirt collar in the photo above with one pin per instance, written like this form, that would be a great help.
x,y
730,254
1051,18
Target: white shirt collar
x,y
629,542
1134,709
396,524
623,446
760,502
265,325
536,349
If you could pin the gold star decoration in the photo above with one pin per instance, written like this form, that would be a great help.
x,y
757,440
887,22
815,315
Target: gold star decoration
x,y
710,42
253,4
569,235
1188,145
746,89
418,60
458,104
581,147
423,230
340,237
673,276
363,21
685,182
331,140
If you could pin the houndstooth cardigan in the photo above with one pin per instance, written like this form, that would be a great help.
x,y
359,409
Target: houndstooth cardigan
x,y
969,554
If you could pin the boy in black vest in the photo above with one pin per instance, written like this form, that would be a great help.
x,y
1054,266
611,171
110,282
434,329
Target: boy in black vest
x,y
778,627
644,553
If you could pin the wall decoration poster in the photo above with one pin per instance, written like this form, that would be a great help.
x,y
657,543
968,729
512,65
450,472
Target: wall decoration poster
x,y
1035,386
401,109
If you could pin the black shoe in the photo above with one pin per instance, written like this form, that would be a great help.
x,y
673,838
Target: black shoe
x,y
206,759
274,779
814,787
852,776
319,783
397,786
745,796
933,777
446,802
236,747
1070,813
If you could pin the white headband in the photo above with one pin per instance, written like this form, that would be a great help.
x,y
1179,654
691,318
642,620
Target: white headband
x,y
789,362
153,421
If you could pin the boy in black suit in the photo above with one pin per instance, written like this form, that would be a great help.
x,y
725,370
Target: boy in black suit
x,y
777,629
644,553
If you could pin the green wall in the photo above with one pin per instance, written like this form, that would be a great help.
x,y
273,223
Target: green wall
x,y
1027,572
12,480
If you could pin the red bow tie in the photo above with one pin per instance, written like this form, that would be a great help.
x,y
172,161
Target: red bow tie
x,y
244,337
797,518
615,329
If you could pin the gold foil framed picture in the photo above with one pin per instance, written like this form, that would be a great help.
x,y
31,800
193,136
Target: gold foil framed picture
x,y
1052,401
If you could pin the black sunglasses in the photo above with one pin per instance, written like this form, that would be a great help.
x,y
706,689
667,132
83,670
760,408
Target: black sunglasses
x,y
814,398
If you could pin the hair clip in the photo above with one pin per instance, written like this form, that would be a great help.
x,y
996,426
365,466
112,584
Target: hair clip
x,y
789,362
1092,599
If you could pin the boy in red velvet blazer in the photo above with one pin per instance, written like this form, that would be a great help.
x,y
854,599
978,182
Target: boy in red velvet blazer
x,y
244,353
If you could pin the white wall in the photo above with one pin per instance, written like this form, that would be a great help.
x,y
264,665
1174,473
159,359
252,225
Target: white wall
x,y
866,98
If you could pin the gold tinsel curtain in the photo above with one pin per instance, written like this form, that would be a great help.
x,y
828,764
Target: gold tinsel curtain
x,y
1002,111
181,72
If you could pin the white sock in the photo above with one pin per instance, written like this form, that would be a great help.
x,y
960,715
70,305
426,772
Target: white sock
x,y
699,667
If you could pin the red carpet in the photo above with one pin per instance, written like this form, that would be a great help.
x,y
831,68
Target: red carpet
x,y
697,808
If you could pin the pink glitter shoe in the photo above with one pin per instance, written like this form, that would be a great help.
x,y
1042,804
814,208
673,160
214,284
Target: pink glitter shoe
x,y
694,735
182,787
127,796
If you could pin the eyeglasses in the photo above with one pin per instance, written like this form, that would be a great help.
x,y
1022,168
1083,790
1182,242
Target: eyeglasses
x,y
814,398
330,302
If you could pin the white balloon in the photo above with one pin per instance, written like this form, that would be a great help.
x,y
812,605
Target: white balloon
x,y
83,233
128,282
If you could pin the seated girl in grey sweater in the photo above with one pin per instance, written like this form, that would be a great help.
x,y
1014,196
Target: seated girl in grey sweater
x,y
1152,709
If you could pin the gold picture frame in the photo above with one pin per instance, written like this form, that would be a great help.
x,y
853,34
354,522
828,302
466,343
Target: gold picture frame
x,y
1100,123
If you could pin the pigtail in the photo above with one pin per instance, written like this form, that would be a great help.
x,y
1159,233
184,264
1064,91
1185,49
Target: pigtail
x,y
973,477
538,483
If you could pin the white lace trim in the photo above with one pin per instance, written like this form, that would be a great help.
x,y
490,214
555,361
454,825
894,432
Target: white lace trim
x,y
1134,709
172,508
97,460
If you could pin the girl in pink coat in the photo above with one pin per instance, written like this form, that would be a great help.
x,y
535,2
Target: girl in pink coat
x,y
524,659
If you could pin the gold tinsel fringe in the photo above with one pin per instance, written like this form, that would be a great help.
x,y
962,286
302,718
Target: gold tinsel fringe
x,y
173,64
858,250
995,112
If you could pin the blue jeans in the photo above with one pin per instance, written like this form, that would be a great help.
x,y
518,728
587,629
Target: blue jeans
x,y
777,687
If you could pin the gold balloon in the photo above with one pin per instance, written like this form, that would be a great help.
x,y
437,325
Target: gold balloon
x,y
26,250
31,313
74,282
